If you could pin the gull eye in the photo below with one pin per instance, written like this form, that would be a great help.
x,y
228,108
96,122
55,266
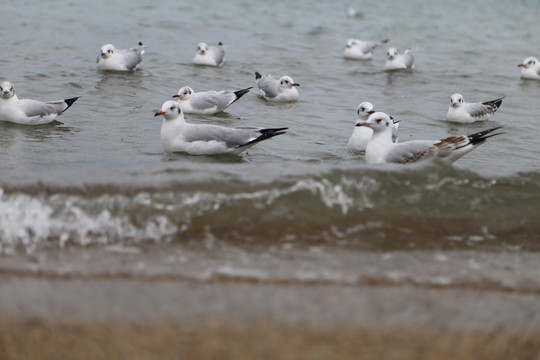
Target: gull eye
x,y
362,109
172,107
379,121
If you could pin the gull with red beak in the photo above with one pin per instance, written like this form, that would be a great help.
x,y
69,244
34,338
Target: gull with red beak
x,y
113,59
204,139
381,149
283,89
397,61
464,112
530,68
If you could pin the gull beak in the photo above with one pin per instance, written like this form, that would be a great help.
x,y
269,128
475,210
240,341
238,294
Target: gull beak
x,y
159,113
103,54
176,96
363,124
371,112
521,65
295,84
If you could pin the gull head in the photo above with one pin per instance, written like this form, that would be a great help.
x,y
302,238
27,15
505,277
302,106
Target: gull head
x,y
287,82
170,110
202,48
456,100
528,62
352,43
184,93
391,53
6,90
379,122
107,50
364,110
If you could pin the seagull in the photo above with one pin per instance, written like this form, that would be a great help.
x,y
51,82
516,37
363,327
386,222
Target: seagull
x,y
115,59
29,112
271,89
530,68
463,112
207,102
361,50
211,55
353,13
205,139
362,134
381,149
395,60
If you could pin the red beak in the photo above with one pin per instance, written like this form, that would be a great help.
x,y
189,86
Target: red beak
x,y
159,113
176,96
521,65
371,112
295,84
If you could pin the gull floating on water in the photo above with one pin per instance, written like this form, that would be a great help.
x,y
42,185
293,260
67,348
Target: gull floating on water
x,y
396,61
464,112
207,102
530,68
29,112
362,134
353,13
361,50
271,89
111,58
203,139
381,149
211,55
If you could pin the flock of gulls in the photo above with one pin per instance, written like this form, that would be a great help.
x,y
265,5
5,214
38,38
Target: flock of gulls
x,y
375,133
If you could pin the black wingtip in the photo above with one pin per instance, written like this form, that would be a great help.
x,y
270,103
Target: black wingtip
x,y
483,135
240,93
497,102
257,75
70,102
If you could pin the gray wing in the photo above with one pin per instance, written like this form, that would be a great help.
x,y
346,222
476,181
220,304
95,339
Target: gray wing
x,y
230,136
132,56
411,151
210,99
269,86
369,46
408,58
218,52
479,110
38,108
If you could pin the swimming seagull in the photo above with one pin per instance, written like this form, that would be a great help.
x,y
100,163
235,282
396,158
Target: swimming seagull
x,y
29,112
211,55
205,139
530,68
207,102
353,13
271,89
381,149
362,134
111,58
396,61
463,112
361,50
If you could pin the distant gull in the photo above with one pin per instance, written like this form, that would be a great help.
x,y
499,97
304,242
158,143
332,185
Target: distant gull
x,y
203,139
207,102
396,61
113,59
211,55
362,134
357,49
29,112
271,89
381,149
464,112
530,68
353,13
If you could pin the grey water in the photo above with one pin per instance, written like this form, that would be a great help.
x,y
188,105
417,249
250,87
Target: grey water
x,y
100,179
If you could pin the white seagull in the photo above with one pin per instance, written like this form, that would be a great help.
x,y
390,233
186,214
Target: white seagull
x,y
530,68
113,59
396,61
207,102
29,112
361,50
464,112
362,134
381,149
283,89
211,55
203,139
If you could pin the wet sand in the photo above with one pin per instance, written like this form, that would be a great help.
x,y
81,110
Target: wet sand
x,y
71,317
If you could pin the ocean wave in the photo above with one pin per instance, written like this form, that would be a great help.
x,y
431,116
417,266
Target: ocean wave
x,y
369,208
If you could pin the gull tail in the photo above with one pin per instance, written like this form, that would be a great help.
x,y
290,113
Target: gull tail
x,y
240,93
70,102
257,75
479,137
495,103
266,134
